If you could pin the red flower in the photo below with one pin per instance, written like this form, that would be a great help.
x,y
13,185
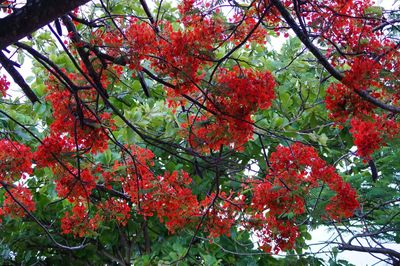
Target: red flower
x,y
4,85
12,208
371,133
79,223
15,160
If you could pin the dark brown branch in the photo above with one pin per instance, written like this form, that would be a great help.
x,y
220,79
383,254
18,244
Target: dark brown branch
x,y
76,39
147,11
113,192
374,171
9,67
34,15
385,251
38,56
306,41
143,84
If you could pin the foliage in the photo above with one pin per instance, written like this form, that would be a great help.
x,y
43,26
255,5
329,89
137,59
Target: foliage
x,y
182,135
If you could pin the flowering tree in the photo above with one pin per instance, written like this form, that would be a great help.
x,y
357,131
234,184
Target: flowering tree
x,y
164,132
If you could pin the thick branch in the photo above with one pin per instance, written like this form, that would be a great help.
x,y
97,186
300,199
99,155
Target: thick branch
x,y
374,171
9,67
147,11
34,15
38,56
84,55
385,251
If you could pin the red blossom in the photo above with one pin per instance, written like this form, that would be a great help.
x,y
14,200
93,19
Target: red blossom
x,y
15,160
4,85
116,210
12,208
280,198
371,133
79,223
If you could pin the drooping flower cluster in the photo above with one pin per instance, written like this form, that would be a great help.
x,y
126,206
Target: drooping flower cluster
x,y
173,200
15,166
370,131
280,199
343,103
75,122
351,31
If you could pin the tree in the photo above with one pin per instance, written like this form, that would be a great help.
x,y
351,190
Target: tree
x,y
163,132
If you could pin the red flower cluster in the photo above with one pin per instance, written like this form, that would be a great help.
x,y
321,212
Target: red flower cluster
x,y
11,207
76,121
207,132
53,149
351,27
343,102
79,223
223,211
15,165
173,200
346,24
363,74
15,161
4,86
239,93
137,176
280,198
116,210
371,133
76,186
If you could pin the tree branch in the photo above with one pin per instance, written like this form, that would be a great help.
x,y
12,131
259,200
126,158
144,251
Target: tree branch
x,y
385,251
34,15
9,67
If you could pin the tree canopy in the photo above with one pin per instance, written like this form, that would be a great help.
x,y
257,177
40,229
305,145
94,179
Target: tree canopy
x,y
198,132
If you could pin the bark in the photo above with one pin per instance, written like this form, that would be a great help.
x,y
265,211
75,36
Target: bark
x,y
386,251
18,79
31,17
